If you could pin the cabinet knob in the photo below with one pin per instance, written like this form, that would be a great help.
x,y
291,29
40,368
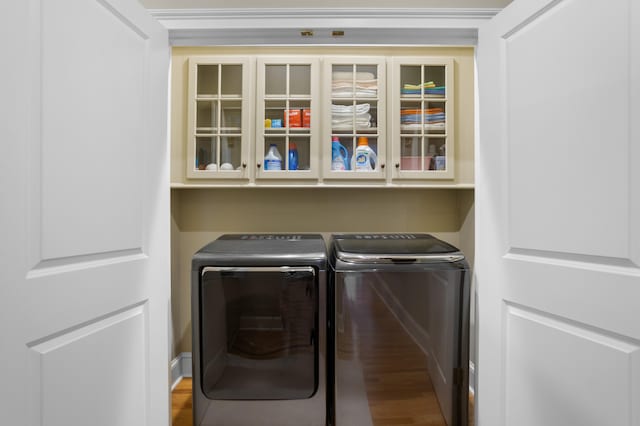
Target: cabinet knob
x,y
244,165
259,164
382,166
397,165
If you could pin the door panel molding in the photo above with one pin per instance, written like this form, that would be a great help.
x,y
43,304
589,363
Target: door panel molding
x,y
583,292
564,365
573,260
568,179
87,261
113,7
76,197
62,367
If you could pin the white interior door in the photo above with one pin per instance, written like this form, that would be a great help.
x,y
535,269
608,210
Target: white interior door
x,y
84,295
558,214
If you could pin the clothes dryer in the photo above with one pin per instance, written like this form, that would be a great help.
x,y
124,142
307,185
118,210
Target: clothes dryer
x,y
259,330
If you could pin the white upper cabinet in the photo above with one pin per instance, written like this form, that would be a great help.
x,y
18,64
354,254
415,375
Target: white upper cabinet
x,y
219,117
422,94
327,120
354,118
287,124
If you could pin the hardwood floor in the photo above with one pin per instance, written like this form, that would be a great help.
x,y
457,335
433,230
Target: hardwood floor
x,y
181,404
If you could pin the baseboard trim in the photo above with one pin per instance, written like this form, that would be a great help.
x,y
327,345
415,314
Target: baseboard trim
x,y
180,368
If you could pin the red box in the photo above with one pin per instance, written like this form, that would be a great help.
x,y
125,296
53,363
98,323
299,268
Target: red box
x,y
306,117
295,119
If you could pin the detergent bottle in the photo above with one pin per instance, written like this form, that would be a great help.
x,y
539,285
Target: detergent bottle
x,y
364,159
339,155
293,156
273,159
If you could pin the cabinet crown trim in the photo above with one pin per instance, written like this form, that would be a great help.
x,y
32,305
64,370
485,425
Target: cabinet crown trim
x,y
276,26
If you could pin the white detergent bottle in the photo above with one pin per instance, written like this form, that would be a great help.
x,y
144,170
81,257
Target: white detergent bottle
x,y
364,158
273,159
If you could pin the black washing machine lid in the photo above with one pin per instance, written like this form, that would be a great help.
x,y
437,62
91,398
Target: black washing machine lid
x,y
393,248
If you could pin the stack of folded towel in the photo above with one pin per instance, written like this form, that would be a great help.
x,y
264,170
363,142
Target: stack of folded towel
x,y
429,88
343,116
430,118
344,85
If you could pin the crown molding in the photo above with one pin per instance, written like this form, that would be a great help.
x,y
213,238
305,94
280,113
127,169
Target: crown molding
x,y
282,26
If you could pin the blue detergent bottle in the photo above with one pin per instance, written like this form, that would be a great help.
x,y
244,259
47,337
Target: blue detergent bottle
x,y
339,155
293,156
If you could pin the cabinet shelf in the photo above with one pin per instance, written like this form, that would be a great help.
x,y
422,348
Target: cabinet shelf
x,y
218,97
436,98
218,131
283,97
418,185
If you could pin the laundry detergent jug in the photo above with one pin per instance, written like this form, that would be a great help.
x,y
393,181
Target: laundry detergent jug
x,y
339,155
364,159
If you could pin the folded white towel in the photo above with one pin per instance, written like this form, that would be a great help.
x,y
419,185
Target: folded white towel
x,y
364,118
347,75
350,109
350,92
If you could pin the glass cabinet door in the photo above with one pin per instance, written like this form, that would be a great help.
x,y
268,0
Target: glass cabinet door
x,y
423,143
286,136
218,117
354,145
259,332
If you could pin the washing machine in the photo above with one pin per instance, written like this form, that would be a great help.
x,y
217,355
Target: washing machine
x,y
399,330
259,331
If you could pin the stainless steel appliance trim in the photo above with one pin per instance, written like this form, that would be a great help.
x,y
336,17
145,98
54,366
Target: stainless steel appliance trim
x,y
395,258
282,269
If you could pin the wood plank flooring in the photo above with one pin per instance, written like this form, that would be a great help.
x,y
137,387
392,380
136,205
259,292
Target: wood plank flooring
x,y
181,404
182,410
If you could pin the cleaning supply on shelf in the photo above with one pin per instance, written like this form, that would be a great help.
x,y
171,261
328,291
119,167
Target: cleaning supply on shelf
x,y
293,156
441,159
431,157
273,159
339,155
293,117
306,118
364,159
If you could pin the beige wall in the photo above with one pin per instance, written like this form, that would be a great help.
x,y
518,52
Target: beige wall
x,y
201,215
